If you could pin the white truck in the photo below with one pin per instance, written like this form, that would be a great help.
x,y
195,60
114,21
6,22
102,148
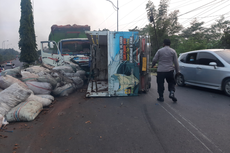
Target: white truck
x,y
119,64
76,50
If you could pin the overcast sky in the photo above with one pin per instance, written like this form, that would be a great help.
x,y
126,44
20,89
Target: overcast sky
x,y
99,14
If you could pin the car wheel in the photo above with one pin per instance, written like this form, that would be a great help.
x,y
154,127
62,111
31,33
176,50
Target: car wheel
x,y
226,87
180,80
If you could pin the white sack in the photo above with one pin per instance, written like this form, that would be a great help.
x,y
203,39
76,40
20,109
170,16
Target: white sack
x,y
36,69
12,96
16,72
27,76
64,90
49,79
81,74
74,66
42,73
25,111
43,101
2,120
7,80
39,87
65,69
47,97
71,74
77,81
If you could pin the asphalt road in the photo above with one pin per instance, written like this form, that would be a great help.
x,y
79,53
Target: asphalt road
x,y
199,122
14,61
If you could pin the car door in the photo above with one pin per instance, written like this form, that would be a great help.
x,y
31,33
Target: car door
x,y
207,75
50,53
188,67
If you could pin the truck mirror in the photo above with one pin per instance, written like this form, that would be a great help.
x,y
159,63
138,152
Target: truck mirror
x,y
51,44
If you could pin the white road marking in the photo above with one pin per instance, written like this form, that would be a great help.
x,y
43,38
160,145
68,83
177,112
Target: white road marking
x,y
186,128
192,125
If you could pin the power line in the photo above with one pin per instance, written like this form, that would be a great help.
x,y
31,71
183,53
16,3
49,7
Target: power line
x,y
202,17
217,17
182,5
126,3
196,8
203,11
131,22
131,11
137,18
106,18
114,12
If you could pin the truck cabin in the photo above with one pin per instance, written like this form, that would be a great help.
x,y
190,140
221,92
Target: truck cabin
x,y
74,46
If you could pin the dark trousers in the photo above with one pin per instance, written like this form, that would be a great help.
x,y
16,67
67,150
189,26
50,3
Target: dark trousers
x,y
161,76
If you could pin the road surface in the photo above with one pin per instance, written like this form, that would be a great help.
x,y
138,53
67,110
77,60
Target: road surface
x,y
14,61
199,122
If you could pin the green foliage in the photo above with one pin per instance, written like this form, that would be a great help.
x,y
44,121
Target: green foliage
x,y
194,37
7,54
225,40
39,52
189,45
27,42
166,25
1,59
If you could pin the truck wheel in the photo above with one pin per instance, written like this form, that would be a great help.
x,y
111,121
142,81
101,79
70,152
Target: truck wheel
x,y
147,87
226,87
180,80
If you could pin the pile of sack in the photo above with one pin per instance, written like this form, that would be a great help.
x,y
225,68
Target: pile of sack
x,y
25,92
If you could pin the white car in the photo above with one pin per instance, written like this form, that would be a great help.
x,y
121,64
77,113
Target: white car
x,y
9,63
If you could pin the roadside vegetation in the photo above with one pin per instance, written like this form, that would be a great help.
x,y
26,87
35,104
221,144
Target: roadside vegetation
x,y
196,36
27,43
8,54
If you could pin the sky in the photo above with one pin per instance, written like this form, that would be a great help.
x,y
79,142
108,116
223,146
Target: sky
x,y
100,14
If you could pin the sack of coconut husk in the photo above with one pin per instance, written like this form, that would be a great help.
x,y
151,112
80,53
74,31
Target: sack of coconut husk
x,y
78,82
64,69
16,72
36,69
49,79
43,101
46,96
27,76
7,80
75,67
64,90
28,111
39,87
12,96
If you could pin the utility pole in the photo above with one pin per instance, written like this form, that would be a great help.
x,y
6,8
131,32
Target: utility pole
x,y
152,20
117,8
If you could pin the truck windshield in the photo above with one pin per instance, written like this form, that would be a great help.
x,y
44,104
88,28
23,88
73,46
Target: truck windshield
x,y
73,47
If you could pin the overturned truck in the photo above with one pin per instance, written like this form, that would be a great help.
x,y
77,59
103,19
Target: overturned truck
x,y
119,64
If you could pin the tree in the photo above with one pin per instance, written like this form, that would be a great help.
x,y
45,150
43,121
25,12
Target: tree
x,y
167,25
27,42
225,40
1,59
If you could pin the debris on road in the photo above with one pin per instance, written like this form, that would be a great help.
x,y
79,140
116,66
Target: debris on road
x,y
88,122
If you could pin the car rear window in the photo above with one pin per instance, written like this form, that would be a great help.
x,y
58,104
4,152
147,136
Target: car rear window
x,y
224,55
